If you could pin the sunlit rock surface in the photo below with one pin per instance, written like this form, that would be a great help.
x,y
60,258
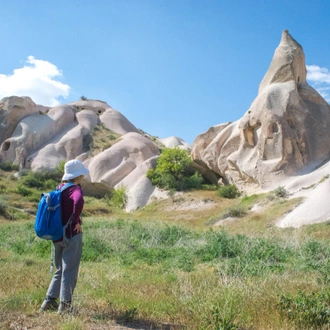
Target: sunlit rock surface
x,y
284,133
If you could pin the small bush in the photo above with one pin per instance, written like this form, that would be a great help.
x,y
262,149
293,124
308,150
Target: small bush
x,y
32,181
23,191
50,184
209,187
12,177
281,192
7,166
44,180
229,191
174,171
3,188
60,167
112,137
3,207
235,212
117,198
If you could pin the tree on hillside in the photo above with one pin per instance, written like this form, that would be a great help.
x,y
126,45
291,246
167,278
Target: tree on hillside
x,y
174,171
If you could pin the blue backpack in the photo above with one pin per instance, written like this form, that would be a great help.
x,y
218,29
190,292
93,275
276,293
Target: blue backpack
x,y
48,223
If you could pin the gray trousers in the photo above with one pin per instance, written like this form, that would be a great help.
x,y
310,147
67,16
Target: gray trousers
x,y
67,261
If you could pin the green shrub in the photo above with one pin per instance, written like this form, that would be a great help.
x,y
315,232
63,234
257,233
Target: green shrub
x,y
60,167
41,180
174,171
3,188
12,177
281,192
307,311
315,254
3,207
206,186
111,137
23,191
32,180
117,198
229,191
235,212
50,184
7,166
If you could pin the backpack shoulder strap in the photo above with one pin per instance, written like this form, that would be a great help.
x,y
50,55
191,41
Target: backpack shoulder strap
x,y
67,185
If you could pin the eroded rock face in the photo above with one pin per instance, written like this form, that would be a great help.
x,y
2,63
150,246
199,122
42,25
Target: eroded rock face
x,y
12,110
37,138
111,118
68,144
125,165
34,131
282,134
114,164
175,142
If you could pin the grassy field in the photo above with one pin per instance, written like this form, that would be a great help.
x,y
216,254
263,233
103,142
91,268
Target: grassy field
x,y
193,261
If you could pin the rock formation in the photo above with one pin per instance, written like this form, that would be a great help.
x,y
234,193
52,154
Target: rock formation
x,y
12,110
174,141
35,137
284,132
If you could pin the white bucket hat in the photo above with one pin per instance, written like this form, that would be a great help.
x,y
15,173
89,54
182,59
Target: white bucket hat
x,y
74,168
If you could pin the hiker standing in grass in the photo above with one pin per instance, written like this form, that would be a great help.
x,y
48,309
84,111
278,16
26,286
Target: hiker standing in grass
x,y
68,249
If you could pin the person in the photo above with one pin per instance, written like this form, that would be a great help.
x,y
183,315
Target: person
x,y
68,249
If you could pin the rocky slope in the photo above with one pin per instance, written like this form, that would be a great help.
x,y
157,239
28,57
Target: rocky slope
x,y
36,137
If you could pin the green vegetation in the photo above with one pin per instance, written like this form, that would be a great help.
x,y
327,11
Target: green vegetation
x,y
167,266
6,166
306,310
280,192
228,191
99,139
210,279
173,171
117,198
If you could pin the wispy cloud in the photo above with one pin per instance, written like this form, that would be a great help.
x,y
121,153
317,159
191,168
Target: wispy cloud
x,y
37,79
319,78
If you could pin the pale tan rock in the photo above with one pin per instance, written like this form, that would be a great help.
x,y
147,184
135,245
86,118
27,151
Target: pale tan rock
x,y
139,171
116,122
48,136
99,107
174,141
111,118
139,195
12,110
68,144
139,188
34,131
288,63
115,163
284,133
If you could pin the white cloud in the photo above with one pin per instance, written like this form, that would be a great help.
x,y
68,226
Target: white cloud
x,y
318,74
36,79
319,78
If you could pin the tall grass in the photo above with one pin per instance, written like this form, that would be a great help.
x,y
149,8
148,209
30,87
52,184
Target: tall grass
x,y
166,274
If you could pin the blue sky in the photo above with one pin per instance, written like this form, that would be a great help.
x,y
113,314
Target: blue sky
x,y
173,68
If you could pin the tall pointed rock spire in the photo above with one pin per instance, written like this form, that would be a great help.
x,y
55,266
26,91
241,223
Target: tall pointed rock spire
x,y
288,63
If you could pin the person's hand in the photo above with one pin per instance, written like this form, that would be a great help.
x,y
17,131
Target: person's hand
x,y
78,228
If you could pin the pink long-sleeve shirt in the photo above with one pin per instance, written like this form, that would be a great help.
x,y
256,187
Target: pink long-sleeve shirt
x,y
72,203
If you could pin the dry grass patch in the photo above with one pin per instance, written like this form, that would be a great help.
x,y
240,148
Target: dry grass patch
x,y
100,139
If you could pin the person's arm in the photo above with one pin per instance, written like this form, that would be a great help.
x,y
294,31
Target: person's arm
x,y
78,204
